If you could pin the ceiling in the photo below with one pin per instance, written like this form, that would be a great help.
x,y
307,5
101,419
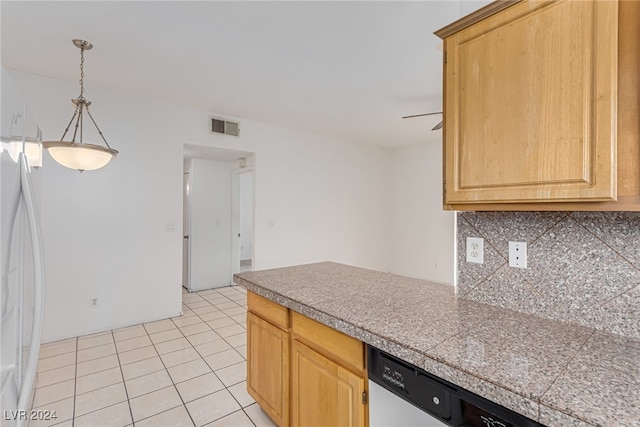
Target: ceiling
x,y
348,70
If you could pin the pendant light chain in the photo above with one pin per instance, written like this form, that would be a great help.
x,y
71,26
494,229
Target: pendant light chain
x,y
82,72
81,103
86,105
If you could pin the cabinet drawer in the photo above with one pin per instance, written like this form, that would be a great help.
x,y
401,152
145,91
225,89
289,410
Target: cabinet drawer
x,y
328,341
268,310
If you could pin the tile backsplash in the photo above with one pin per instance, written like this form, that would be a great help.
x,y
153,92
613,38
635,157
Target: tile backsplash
x,y
583,267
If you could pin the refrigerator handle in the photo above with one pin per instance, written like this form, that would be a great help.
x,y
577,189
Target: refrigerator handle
x,y
38,263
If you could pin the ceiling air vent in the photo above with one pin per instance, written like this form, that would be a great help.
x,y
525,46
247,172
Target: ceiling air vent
x,y
224,126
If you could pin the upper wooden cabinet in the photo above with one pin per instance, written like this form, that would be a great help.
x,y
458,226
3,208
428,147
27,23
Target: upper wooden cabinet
x,y
541,107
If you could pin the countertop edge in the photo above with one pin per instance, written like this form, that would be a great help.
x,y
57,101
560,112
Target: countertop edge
x,y
523,405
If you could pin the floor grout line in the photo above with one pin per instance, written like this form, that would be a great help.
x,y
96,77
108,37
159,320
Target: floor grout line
x,y
124,384
75,384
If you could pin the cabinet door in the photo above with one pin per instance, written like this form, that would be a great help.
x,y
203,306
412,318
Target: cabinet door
x,y
530,105
323,392
268,368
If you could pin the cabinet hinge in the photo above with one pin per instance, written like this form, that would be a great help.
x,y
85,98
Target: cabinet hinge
x,y
445,57
364,397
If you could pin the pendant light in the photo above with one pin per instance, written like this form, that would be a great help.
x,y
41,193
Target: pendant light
x,y
74,154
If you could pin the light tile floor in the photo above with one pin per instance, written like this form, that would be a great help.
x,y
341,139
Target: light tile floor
x,y
185,371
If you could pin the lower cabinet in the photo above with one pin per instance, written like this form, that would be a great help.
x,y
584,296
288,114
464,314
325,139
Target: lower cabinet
x,y
301,372
268,368
323,393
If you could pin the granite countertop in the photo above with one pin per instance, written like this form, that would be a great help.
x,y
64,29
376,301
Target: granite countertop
x,y
556,373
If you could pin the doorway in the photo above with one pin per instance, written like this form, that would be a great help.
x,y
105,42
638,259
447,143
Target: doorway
x,y
217,216
242,227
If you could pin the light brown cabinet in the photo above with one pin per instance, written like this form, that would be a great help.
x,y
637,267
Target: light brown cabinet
x,y
268,368
324,393
328,376
268,357
301,372
541,107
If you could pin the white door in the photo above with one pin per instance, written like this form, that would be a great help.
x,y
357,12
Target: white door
x,y
209,224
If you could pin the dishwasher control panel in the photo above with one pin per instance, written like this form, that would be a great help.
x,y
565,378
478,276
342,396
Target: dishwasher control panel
x,y
448,403
393,377
408,383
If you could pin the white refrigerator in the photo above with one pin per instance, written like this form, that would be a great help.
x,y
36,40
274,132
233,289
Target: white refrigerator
x,y
22,266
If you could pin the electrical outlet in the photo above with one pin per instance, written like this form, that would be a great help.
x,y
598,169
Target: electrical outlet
x,y
475,250
93,302
518,254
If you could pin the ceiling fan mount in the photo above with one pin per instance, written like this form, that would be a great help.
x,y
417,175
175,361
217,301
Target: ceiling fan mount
x,y
436,127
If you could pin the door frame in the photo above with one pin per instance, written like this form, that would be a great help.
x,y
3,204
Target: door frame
x,y
186,229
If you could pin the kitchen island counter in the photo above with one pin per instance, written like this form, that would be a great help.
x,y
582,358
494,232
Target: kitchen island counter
x,y
555,373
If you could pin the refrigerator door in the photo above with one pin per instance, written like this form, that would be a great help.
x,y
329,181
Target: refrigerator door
x,y
22,271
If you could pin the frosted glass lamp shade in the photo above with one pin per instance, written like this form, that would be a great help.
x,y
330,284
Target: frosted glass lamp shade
x,y
80,156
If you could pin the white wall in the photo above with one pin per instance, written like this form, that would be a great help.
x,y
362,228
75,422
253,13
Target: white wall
x,y
105,231
470,6
422,233
106,234
210,224
320,199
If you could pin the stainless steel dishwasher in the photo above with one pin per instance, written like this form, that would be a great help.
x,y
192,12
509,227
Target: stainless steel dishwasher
x,y
403,395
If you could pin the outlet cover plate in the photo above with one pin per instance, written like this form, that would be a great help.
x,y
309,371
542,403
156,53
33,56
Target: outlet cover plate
x,y
475,250
518,254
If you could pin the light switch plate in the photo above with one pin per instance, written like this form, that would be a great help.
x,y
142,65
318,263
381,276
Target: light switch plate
x,y
518,254
475,250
